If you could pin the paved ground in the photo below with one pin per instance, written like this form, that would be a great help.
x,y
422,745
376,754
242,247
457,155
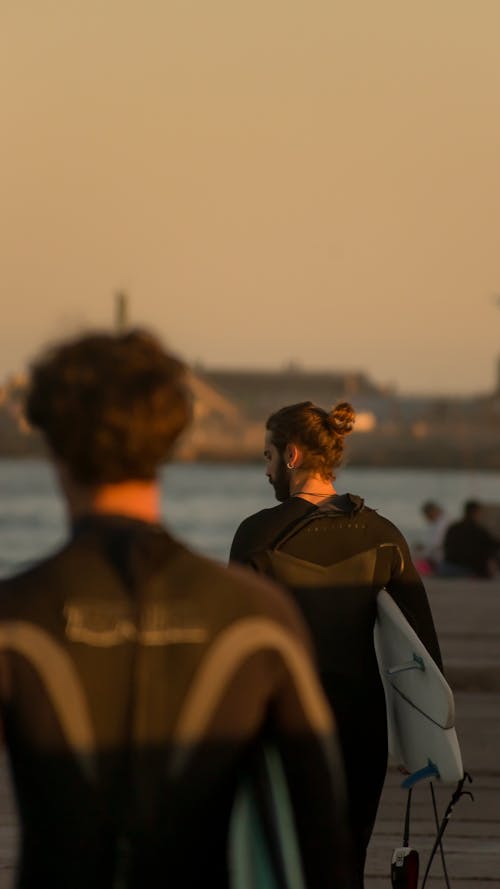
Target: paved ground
x,y
468,620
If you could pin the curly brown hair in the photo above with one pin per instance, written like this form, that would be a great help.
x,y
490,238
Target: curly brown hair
x,y
319,433
110,406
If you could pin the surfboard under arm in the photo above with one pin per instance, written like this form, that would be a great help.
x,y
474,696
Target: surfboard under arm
x,y
420,705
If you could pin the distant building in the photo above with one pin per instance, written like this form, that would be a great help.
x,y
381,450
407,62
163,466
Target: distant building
x,y
121,312
230,407
260,392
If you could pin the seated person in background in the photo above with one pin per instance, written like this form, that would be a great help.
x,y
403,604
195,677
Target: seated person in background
x,y
437,523
469,549
136,677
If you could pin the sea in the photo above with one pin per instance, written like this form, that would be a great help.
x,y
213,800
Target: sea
x,y
203,503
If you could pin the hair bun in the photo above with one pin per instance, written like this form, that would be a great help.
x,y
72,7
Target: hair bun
x,y
342,418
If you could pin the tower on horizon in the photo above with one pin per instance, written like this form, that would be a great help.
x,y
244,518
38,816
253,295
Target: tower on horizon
x,y
121,311
497,381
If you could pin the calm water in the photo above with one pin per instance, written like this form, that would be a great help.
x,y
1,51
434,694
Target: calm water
x,y
203,504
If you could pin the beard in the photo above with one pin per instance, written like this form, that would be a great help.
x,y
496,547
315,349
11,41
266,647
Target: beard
x,y
281,482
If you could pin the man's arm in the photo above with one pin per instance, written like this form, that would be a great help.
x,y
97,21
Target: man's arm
x,y
245,541
256,685
408,591
305,733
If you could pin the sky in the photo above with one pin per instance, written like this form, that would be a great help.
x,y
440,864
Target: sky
x,y
270,182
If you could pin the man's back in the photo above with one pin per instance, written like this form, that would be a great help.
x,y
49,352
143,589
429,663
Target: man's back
x,y
334,560
135,679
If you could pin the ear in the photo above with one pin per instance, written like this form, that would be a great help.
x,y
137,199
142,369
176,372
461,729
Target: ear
x,y
293,455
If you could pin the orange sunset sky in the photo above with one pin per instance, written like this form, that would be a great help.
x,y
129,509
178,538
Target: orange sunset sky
x,y
270,181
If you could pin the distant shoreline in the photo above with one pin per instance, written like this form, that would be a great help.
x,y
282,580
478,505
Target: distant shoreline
x,y
377,461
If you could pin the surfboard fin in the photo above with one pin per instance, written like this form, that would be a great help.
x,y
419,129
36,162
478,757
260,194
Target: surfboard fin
x,y
428,772
416,664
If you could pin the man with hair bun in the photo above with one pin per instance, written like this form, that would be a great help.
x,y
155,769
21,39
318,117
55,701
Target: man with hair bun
x,y
335,554
138,679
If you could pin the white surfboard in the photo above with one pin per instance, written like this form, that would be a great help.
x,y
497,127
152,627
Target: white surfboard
x,y
420,705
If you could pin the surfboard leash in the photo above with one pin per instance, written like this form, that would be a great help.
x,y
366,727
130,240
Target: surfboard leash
x,y
405,860
441,848
455,797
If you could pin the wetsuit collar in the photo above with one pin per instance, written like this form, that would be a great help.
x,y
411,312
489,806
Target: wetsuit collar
x,y
111,520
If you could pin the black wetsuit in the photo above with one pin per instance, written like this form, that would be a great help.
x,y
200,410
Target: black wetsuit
x,y
365,552
135,679
471,548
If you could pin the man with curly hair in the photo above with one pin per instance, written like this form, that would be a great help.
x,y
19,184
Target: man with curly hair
x,y
137,678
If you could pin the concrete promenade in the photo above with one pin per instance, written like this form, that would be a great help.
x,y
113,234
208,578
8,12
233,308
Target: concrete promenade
x,y
467,616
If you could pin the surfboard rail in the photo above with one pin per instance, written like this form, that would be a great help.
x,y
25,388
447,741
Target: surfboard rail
x,y
419,702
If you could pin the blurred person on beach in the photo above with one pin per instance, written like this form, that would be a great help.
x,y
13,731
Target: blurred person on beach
x,y
430,553
335,554
469,548
137,679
